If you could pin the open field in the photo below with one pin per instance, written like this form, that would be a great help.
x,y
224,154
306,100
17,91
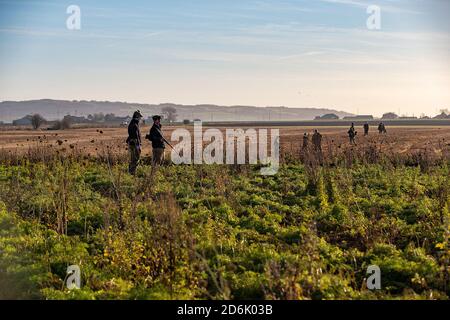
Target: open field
x,y
93,141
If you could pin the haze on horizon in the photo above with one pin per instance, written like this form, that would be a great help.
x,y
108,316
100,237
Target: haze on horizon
x,y
258,52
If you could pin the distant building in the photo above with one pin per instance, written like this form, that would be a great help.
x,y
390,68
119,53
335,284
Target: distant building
x,y
328,116
360,117
442,116
407,118
389,116
25,121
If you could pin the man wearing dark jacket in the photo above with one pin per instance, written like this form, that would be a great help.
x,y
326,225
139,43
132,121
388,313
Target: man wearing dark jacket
x,y
305,141
134,142
157,140
317,141
366,129
352,134
382,128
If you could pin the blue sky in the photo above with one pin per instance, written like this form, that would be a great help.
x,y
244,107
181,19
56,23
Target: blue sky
x,y
316,53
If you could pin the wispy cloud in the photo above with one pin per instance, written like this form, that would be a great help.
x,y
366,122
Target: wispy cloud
x,y
278,6
348,2
304,54
81,34
384,6
29,32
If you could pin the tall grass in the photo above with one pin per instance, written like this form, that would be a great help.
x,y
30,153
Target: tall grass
x,y
224,232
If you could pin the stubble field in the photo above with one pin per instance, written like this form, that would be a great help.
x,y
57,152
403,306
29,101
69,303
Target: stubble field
x,y
93,141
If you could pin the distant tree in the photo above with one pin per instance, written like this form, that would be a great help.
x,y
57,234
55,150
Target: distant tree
x,y
98,117
389,116
110,117
66,123
186,121
170,113
63,124
37,121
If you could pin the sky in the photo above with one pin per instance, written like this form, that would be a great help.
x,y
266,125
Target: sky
x,y
294,53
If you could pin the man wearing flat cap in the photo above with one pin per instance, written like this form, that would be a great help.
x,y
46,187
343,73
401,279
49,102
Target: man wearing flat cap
x,y
134,142
157,140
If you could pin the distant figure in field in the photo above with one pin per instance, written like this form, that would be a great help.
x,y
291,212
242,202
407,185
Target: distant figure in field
x,y
317,141
366,129
305,141
352,134
382,128
157,139
134,142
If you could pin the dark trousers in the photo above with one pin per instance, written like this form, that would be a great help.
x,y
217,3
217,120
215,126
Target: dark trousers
x,y
135,154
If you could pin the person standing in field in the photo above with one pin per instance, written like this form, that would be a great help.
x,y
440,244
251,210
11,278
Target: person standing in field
x,y
305,141
317,141
366,129
134,142
157,140
382,128
317,144
352,134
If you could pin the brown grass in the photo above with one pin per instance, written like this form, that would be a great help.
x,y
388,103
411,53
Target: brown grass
x,y
414,144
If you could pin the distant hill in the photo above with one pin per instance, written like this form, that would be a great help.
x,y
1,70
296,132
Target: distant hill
x,y
56,109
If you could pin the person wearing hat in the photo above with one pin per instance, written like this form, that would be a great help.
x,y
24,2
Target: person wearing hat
x,y
134,142
157,140
352,134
